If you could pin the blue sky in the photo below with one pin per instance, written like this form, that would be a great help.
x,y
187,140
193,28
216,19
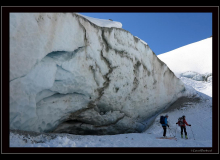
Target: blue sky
x,y
163,31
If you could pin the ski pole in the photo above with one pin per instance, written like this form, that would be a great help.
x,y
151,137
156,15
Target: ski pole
x,y
171,132
175,131
192,133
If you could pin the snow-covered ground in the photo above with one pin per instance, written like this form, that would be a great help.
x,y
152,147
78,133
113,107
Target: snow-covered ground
x,y
195,57
198,112
199,115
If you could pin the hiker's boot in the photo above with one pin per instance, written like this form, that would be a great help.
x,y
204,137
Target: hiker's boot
x,y
186,137
181,136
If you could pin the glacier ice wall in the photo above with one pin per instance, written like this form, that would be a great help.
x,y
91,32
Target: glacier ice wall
x,y
70,75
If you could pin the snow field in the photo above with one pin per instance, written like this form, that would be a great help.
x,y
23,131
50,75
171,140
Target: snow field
x,y
195,57
199,115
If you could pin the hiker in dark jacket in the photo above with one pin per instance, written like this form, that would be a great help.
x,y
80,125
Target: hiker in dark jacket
x,y
181,122
165,125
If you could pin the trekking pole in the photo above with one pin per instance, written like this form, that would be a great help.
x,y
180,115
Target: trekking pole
x,y
192,133
175,131
171,132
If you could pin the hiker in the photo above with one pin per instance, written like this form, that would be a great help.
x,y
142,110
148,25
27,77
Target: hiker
x,y
181,122
164,125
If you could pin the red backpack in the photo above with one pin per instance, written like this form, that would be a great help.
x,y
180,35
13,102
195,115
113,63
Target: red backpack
x,y
180,121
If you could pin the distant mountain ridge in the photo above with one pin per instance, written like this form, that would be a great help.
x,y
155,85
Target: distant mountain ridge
x,y
195,57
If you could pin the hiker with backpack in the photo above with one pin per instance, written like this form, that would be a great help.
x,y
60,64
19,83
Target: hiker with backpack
x,y
181,122
163,121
